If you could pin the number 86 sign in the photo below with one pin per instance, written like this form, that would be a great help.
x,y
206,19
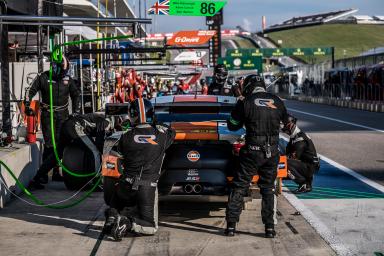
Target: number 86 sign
x,y
195,7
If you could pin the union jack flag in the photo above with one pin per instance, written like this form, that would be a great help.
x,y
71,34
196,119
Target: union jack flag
x,y
161,7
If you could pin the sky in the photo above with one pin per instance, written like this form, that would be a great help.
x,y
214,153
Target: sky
x,y
248,13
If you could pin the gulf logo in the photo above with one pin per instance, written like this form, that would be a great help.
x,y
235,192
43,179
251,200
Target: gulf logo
x,y
193,156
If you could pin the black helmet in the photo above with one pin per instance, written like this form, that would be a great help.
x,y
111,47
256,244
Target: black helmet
x,y
290,126
203,81
251,82
220,73
141,111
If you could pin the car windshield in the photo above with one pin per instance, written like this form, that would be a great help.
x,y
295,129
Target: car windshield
x,y
189,113
166,118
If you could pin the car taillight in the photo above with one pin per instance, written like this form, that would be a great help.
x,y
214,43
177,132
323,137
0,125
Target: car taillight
x,y
236,146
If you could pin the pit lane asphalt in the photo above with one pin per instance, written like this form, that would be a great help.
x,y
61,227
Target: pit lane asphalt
x,y
353,138
187,226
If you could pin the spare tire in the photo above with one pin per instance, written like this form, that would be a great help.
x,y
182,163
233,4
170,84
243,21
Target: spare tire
x,y
80,160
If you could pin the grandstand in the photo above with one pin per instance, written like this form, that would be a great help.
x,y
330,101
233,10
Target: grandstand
x,y
311,20
365,19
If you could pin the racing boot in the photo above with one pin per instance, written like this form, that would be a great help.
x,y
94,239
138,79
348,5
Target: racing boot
x,y
121,227
111,215
56,176
37,183
231,229
270,231
309,187
303,189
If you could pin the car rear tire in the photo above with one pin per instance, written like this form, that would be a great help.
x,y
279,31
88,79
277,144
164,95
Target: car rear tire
x,y
80,160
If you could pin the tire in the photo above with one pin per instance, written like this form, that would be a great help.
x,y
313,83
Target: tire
x,y
109,189
80,160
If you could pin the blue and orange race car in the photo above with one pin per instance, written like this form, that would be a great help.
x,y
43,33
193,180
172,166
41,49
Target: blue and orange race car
x,y
204,156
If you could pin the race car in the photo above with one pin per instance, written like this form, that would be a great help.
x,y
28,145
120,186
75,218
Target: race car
x,y
204,156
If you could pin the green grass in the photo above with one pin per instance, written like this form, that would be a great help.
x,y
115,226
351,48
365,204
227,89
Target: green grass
x,y
352,38
241,42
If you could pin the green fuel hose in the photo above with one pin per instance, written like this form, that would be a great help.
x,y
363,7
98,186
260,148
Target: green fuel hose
x,y
53,135
52,205
57,56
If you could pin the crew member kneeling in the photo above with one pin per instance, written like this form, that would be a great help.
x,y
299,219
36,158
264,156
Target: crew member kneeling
x,y
133,207
302,157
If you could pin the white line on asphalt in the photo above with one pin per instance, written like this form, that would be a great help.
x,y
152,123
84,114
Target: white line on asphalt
x,y
314,221
337,120
318,225
60,218
353,173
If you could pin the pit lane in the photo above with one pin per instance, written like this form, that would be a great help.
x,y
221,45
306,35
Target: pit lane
x,y
188,226
350,223
346,204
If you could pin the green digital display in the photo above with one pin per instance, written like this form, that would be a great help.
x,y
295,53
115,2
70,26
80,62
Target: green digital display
x,y
195,8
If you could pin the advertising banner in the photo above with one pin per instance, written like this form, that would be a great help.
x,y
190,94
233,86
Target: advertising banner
x,y
191,37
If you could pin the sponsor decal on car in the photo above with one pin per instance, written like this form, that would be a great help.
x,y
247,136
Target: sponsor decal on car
x,y
193,156
110,165
193,172
197,178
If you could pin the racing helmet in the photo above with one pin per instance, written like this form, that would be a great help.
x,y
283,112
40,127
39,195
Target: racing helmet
x,y
202,81
290,126
220,73
251,82
141,111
